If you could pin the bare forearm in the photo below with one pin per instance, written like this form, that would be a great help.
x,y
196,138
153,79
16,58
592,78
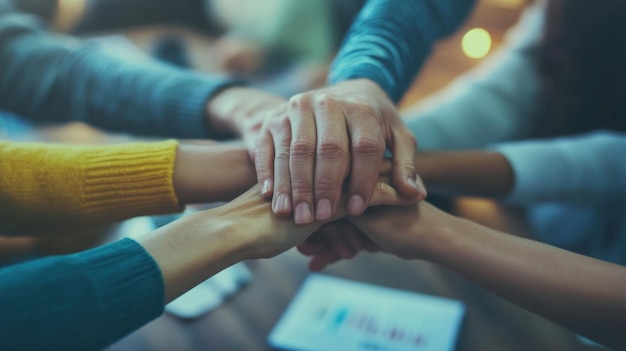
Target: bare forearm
x,y
211,173
192,249
469,173
578,292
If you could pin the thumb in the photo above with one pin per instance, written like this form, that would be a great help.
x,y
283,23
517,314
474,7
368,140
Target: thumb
x,y
385,194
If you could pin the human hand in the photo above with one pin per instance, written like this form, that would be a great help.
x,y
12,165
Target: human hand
x,y
408,232
240,111
308,148
272,235
333,242
237,55
245,228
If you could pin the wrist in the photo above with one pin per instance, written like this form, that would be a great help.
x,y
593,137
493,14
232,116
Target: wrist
x,y
197,179
236,111
363,84
221,111
446,240
192,249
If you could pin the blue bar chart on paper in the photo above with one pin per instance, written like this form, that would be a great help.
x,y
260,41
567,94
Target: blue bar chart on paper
x,y
336,314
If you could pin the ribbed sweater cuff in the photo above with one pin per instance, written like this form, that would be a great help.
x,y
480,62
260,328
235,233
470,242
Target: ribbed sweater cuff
x,y
129,180
185,105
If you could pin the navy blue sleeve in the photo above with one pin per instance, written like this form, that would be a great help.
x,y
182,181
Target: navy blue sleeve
x,y
390,39
52,78
84,301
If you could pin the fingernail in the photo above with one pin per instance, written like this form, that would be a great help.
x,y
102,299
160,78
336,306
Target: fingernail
x,y
303,213
282,204
419,186
267,187
324,210
422,189
356,205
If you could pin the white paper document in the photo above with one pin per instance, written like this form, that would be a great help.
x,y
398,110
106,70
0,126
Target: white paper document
x,y
330,314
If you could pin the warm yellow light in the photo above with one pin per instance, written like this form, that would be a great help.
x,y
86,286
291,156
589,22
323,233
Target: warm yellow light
x,y
476,43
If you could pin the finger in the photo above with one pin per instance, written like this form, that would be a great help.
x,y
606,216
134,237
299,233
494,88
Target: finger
x,y
371,246
403,148
314,244
281,201
367,149
264,163
339,244
251,141
333,232
302,157
332,157
322,260
386,167
351,235
385,194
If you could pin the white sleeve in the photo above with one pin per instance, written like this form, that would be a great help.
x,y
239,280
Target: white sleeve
x,y
497,101
585,169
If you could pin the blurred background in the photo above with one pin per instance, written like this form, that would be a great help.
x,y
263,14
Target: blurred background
x,y
262,40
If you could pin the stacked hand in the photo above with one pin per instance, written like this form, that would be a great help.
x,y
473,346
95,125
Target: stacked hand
x,y
310,145
273,235
404,231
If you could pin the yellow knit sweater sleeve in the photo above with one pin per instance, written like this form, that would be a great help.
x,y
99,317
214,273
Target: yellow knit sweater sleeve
x,y
52,188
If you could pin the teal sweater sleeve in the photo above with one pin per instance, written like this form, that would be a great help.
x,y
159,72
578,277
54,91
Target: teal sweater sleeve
x,y
83,301
53,78
390,39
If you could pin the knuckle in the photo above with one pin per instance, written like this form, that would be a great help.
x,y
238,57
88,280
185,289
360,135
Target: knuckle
x,y
302,147
299,102
327,185
279,122
332,147
355,101
381,188
368,145
301,188
323,100
282,155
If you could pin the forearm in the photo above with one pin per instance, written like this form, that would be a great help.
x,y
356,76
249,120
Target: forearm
x,y
578,292
104,293
212,173
582,169
194,248
198,246
466,173
48,188
390,39
58,79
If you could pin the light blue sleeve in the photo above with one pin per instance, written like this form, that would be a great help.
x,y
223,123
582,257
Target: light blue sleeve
x,y
587,169
497,101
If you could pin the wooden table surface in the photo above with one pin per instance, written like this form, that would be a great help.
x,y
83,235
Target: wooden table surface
x,y
244,322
